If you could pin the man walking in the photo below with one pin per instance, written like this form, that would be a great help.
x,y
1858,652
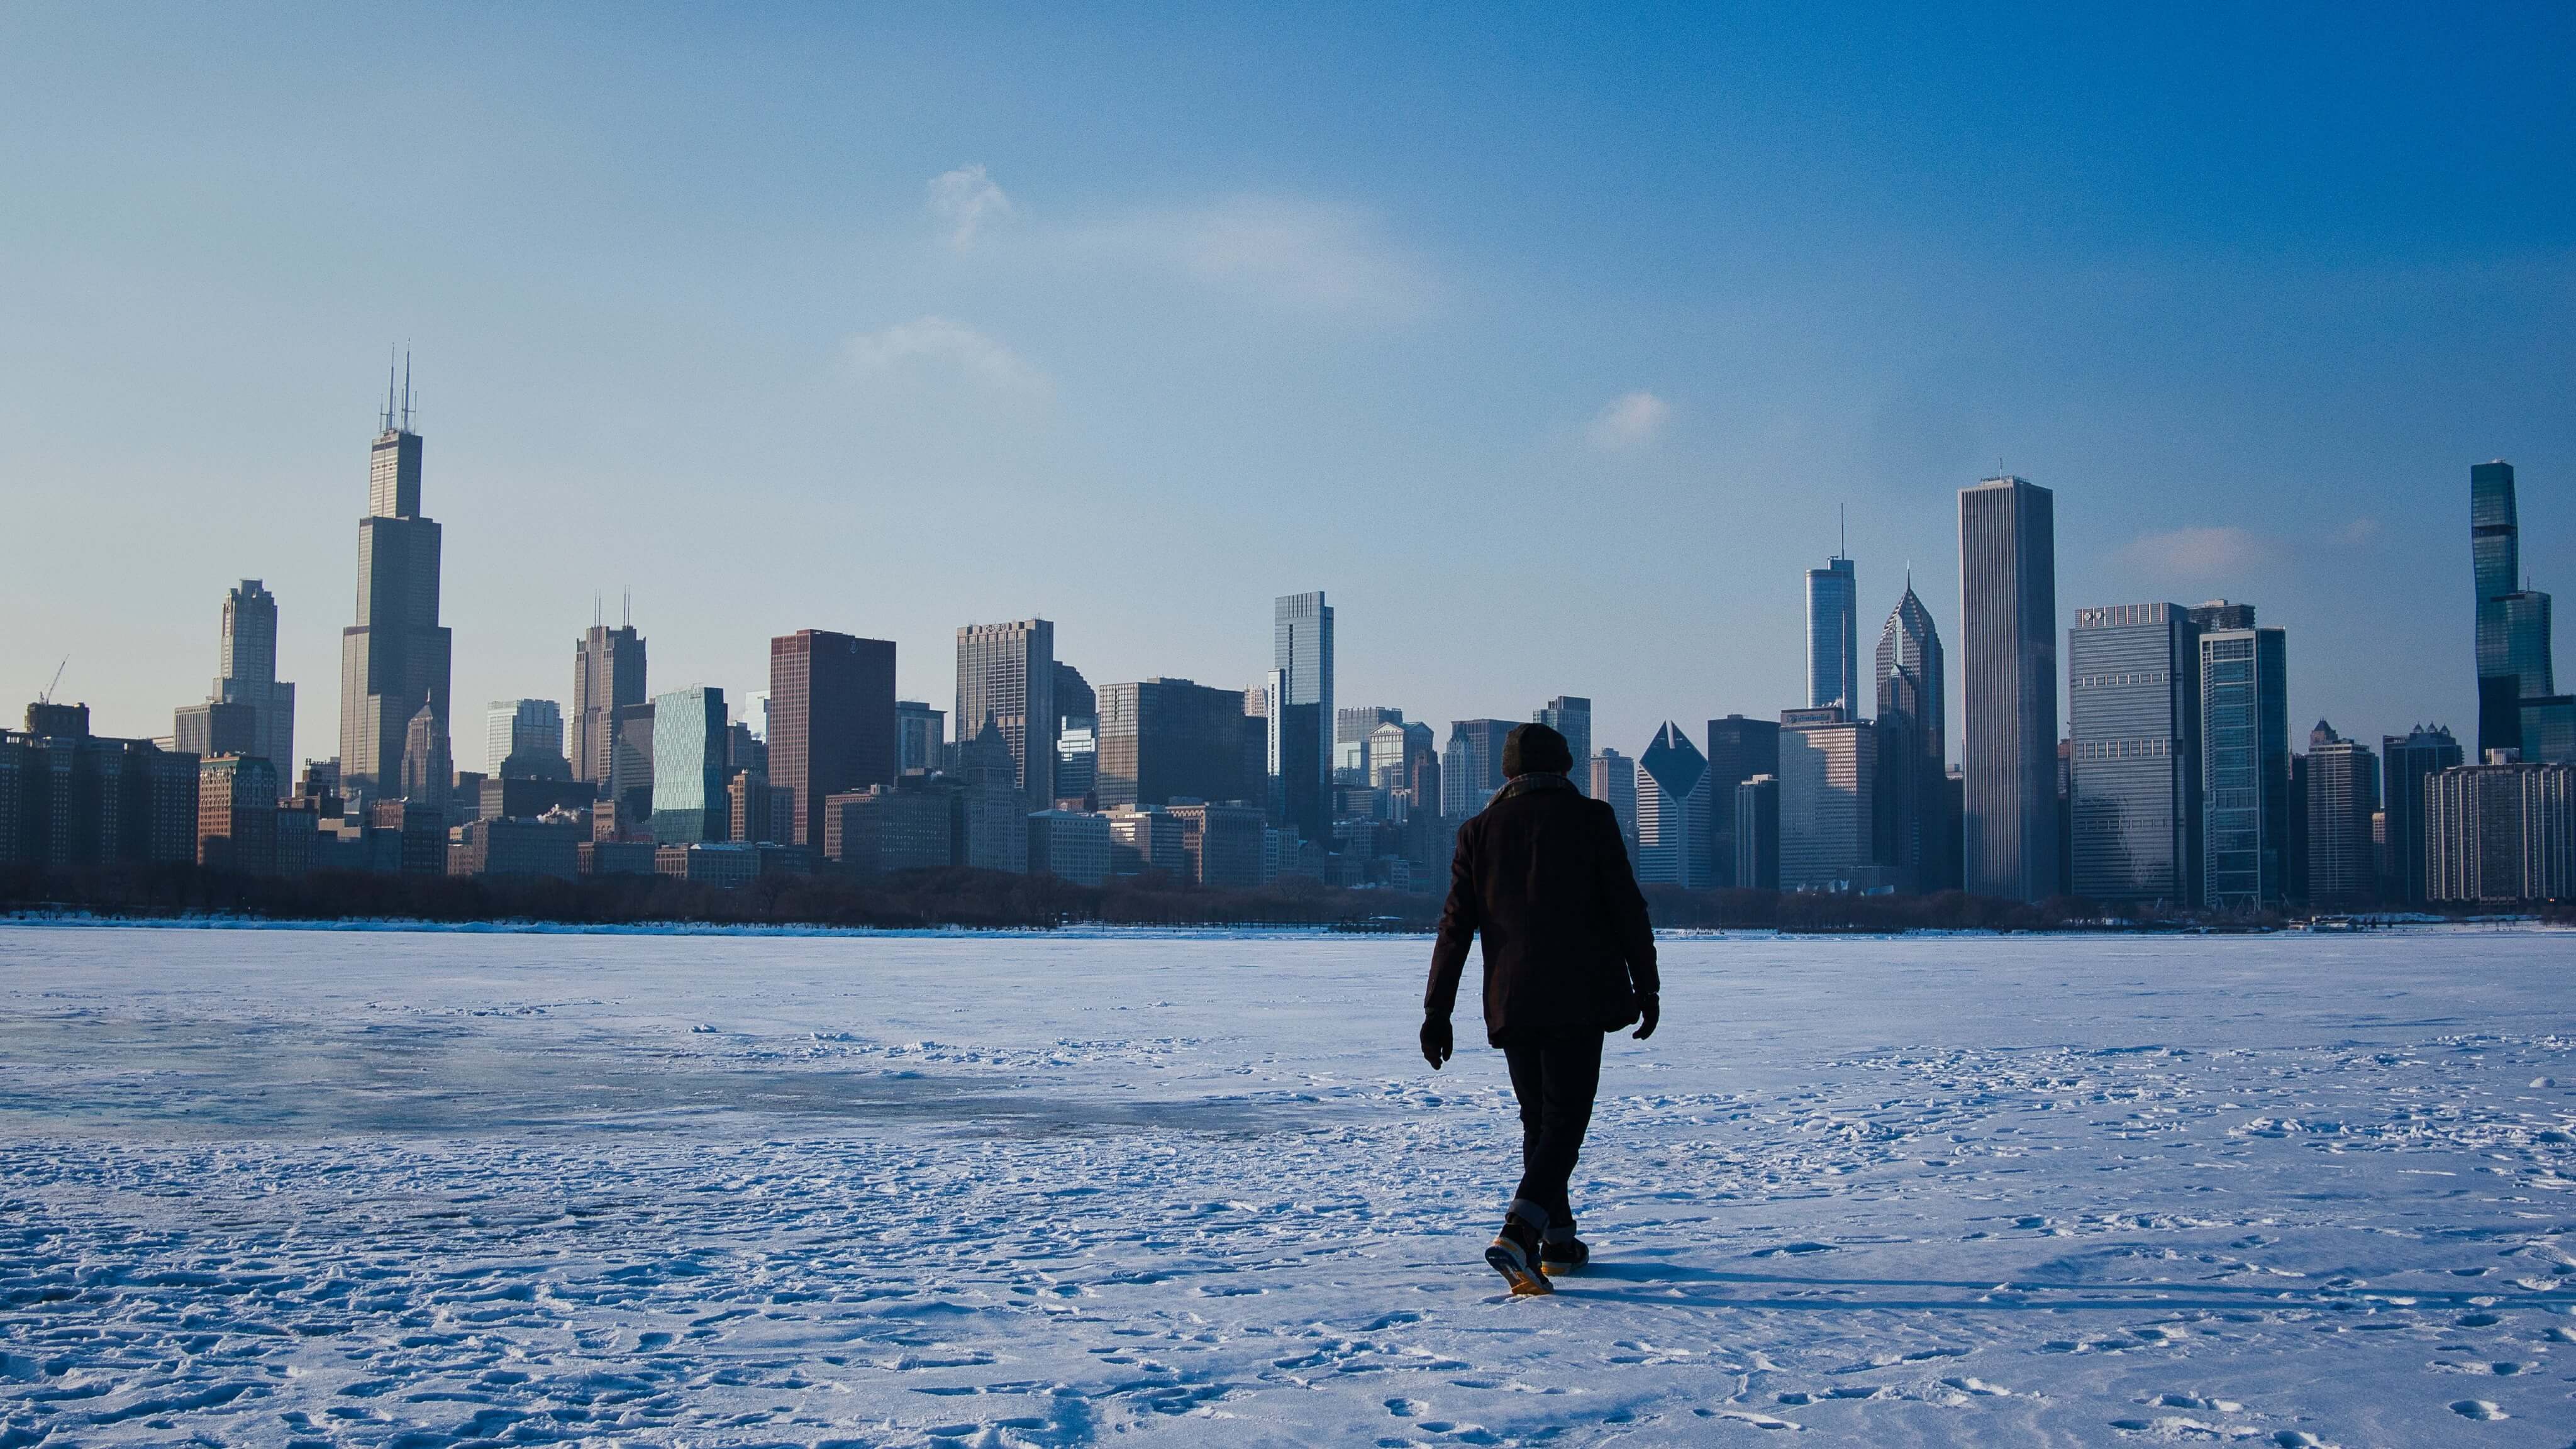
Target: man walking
x,y
1569,957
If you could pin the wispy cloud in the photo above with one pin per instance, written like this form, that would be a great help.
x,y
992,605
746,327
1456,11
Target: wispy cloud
x,y
2201,553
2358,532
1630,420
1302,255
940,344
966,201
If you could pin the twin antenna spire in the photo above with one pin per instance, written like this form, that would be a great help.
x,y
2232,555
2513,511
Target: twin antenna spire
x,y
392,412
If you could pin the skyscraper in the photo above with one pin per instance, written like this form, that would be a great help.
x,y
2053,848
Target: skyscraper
x,y
1917,839
1828,816
831,720
1301,712
394,660
1006,673
1571,716
607,674
2506,635
922,737
689,753
523,739
1739,748
1614,780
2008,655
1162,740
1833,636
249,708
1471,768
2343,793
1672,812
2133,707
2244,768
2405,761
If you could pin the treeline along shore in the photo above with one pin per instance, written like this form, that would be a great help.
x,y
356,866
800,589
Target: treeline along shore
x,y
989,900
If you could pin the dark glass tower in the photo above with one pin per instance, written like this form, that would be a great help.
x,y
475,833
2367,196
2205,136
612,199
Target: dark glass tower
x,y
1915,837
394,660
607,674
2133,712
831,720
2515,679
1738,749
1833,636
2008,661
2405,762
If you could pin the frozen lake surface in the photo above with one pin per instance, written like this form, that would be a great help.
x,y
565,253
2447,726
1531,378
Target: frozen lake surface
x,y
273,1187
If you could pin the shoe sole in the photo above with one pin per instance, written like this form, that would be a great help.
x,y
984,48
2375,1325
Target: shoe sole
x,y
1558,1270
1525,1284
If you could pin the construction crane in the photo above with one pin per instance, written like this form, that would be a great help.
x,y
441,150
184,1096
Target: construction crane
x,y
48,696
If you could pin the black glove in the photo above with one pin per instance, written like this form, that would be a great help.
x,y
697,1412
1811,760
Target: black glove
x,y
1649,1011
1436,1045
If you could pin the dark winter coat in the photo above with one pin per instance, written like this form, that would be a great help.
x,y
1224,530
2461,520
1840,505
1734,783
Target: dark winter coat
x,y
1543,874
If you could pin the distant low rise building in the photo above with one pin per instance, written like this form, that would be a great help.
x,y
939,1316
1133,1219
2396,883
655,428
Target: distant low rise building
x,y
1147,838
888,828
507,847
237,815
1221,844
1072,846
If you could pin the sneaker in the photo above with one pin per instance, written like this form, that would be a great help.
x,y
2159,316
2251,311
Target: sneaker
x,y
1515,1255
1560,1256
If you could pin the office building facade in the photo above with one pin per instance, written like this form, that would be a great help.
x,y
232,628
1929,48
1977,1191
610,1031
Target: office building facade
x,y
1672,812
607,675
1828,822
921,737
1571,716
523,739
1167,739
2342,797
1471,768
394,662
1006,675
1739,748
237,815
2133,719
2516,677
1757,834
2245,768
2008,676
249,711
831,720
2405,762
2501,833
689,750
1611,777
1300,714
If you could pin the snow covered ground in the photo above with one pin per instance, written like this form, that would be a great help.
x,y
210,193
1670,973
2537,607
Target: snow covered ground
x,y
275,1187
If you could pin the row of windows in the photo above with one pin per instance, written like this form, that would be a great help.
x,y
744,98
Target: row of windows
x,y
2149,748
2123,678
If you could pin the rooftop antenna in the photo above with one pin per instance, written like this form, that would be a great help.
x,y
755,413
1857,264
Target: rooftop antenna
x,y
1842,520
630,608
48,696
594,608
406,411
389,388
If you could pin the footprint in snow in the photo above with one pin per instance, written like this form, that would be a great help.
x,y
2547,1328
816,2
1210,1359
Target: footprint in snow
x,y
2478,1409
2194,1401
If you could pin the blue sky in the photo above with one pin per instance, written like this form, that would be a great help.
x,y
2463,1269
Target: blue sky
x,y
1547,345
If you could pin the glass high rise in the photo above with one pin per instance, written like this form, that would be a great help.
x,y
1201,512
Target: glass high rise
x,y
2515,671
2008,665
2244,768
689,753
2133,690
1301,712
1571,716
1833,636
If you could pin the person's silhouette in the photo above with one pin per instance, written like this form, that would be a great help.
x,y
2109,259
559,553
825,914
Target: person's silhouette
x,y
1569,956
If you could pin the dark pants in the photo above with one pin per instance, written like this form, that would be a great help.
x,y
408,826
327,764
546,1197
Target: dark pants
x,y
1555,1081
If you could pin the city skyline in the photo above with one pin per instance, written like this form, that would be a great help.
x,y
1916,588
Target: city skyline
x,y
2249,351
